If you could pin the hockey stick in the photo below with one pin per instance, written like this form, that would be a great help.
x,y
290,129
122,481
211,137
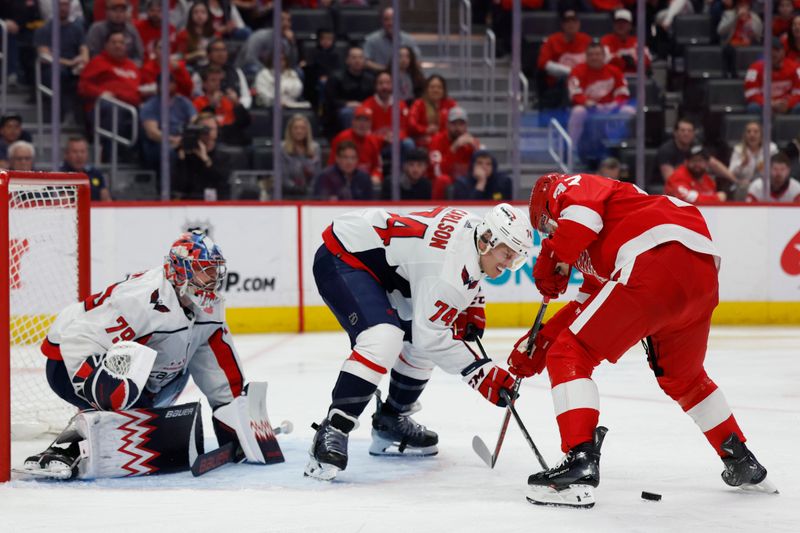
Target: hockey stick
x,y
206,462
477,444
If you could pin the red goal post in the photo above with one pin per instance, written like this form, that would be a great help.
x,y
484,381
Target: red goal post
x,y
45,256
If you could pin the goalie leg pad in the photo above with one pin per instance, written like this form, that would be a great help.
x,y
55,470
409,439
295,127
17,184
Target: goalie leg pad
x,y
245,421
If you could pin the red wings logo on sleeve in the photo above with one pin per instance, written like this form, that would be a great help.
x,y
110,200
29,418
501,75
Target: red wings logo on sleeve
x,y
790,258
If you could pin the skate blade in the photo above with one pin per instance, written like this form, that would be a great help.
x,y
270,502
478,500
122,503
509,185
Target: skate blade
x,y
388,448
765,487
59,474
321,471
575,496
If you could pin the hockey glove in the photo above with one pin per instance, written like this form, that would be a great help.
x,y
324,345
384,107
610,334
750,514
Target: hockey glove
x,y
489,379
114,381
470,324
523,365
549,280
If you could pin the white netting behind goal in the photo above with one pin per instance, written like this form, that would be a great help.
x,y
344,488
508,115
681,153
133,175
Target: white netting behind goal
x,y
43,278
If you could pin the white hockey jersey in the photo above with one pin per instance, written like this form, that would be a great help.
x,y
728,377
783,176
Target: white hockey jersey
x,y
428,263
145,308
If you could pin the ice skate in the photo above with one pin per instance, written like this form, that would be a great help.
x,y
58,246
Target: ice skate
x,y
57,462
742,469
329,449
570,483
397,434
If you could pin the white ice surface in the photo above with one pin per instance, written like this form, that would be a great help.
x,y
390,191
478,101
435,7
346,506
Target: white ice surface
x,y
652,445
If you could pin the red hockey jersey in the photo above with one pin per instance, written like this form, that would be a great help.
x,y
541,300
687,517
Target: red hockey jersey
x,y
103,73
382,117
588,86
369,151
682,185
616,47
785,83
556,48
604,224
445,161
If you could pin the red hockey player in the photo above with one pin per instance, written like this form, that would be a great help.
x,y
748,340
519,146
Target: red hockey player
x,y
650,273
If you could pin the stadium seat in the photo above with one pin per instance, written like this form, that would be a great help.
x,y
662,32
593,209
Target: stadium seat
x,y
785,128
596,24
306,22
692,29
537,25
652,93
261,122
733,126
238,156
725,96
244,186
627,157
134,185
263,158
704,62
356,23
746,56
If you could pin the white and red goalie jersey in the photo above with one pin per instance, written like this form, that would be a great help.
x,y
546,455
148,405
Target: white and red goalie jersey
x,y
427,262
605,85
145,309
604,224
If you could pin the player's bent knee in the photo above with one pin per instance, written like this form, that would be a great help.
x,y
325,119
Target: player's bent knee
x,y
407,368
375,352
568,359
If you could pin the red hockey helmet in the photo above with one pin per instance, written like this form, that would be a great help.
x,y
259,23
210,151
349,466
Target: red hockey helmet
x,y
541,218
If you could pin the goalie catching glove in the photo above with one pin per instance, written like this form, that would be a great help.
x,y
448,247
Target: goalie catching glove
x,y
489,379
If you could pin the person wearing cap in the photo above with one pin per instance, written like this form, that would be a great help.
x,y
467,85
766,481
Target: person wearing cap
x,y
691,183
414,182
451,152
345,91
367,144
10,132
783,187
484,181
559,53
118,19
621,45
785,83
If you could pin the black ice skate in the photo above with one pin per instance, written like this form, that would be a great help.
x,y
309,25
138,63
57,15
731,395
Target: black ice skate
x,y
570,483
742,469
329,449
59,461
397,434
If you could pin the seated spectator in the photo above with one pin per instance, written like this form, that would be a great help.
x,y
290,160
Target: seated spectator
x,y
10,132
151,74
782,22
739,27
451,152
21,17
559,53
367,144
99,11
380,104
259,45
21,155
227,21
192,41
675,151
234,80
414,182
791,40
149,29
782,186
300,157
747,159
610,167
321,64
202,170
785,84
76,159
232,118
343,180
75,11
691,183
117,21
428,113
291,86
345,91
621,45
483,180
378,44
181,112
411,79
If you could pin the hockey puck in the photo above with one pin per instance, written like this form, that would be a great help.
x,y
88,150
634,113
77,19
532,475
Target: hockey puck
x,y
652,496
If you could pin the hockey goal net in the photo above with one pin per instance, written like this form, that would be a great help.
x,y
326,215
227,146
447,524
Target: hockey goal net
x,y
45,256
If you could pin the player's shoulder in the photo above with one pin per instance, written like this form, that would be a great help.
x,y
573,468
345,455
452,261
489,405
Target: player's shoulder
x,y
148,289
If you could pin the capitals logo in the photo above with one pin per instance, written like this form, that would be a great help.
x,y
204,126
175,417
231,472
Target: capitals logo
x,y
157,303
467,279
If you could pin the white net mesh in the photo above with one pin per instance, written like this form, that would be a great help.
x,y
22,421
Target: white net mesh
x,y
43,278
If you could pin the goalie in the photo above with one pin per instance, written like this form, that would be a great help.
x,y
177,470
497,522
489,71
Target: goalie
x,y
122,357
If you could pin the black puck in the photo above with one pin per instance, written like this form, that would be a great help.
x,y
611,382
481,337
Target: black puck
x,y
652,496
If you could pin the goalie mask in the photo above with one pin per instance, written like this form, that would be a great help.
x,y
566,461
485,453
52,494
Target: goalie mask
x,y
196,268
541,219
507,225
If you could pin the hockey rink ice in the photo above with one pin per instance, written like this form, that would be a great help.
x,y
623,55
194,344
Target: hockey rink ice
x,y
651,445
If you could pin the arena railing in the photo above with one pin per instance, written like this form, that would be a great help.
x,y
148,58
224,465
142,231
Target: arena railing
x,y
559,141
113,134
489,64
41,89
3,66
443,21
465,42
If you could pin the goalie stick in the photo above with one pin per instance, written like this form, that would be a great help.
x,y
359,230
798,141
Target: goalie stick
x,y
206,462
478,445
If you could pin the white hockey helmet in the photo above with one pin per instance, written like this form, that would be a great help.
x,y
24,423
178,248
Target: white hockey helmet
x,y
507,225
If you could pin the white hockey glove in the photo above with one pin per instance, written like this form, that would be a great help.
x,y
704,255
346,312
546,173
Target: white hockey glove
x,y
115,380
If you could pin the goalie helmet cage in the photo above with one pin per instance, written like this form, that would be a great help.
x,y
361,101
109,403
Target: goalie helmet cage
x,y
45,255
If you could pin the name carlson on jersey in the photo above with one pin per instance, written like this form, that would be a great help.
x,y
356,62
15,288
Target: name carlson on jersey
x,y
444,230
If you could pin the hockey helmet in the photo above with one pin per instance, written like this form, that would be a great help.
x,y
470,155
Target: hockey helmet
x,y
507,225
541,219
196,268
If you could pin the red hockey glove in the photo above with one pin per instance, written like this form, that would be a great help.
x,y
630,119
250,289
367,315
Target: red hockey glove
x,y
489,380
523,366
469,325
548,280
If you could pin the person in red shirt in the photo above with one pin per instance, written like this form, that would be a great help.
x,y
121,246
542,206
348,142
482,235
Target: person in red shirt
x,y
192,41
596,87
650,272
691,182
559,53
791,40
110,73
451,152
368,145
213,98
785,83
151,71
784,14
150,29
621,45
428,114
380,104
